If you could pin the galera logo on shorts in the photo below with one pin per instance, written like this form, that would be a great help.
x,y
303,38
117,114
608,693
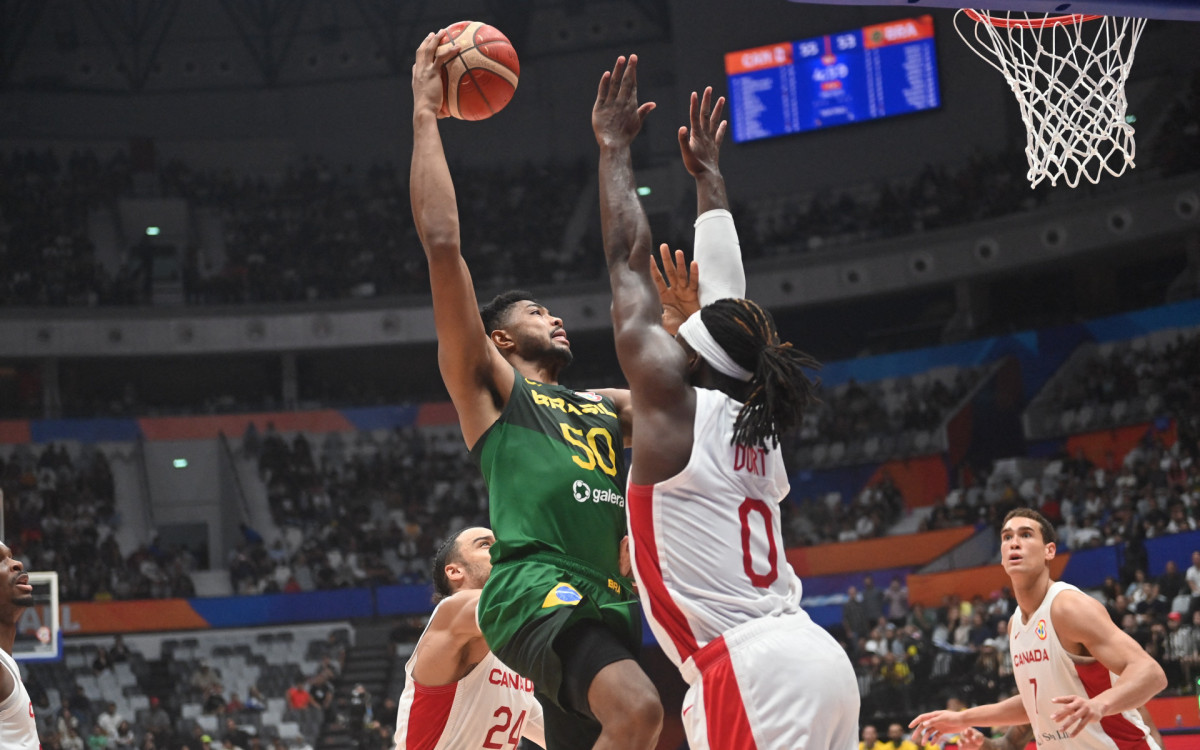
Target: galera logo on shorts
x,y
583,491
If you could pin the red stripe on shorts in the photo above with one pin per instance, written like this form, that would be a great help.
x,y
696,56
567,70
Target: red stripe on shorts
x,y
724,708
1096,679
428,715
662,608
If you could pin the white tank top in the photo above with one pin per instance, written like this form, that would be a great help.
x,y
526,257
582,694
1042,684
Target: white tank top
x,y
18,729
1044,670
492,707
707,548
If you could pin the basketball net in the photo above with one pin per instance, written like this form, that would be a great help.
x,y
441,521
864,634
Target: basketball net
x,y
1068,74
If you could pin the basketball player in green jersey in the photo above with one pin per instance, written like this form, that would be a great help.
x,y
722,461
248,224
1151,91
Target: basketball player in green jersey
x,y
557,607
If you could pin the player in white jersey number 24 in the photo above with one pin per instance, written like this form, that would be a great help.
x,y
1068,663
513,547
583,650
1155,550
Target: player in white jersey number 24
x,y
457,694
1081,679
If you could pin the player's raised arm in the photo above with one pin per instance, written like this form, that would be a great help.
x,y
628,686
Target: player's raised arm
x,y
441,651
476,375
717,249
654,365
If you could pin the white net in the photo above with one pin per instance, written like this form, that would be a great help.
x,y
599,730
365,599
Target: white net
x,y
1068,74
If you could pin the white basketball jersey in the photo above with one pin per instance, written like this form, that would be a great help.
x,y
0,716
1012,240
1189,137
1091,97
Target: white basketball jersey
x,y
707,548
18,729
1044,670
492,707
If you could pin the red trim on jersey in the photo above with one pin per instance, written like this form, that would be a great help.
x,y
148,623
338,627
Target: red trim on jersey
x,y
724,708
1096,679
662,608
428,715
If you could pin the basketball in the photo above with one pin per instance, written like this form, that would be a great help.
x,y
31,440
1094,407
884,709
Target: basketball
x,y
481,79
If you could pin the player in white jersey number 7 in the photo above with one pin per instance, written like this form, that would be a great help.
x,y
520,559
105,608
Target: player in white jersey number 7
x,y
1081,679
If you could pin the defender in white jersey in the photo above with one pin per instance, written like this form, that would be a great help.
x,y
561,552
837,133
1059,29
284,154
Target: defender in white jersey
x,y
457,694
706,478
1081,679
18,729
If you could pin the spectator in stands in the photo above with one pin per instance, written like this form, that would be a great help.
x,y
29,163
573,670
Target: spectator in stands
x,y
109,720
321,690
157,720
870,739
897,740
854,615
214,701
65,720
1170,585
1141,592
872,598
124,738
298,697
255,700
70,739
205,678
102,661
1193,580
119,652
98,739
235,734
1189,656
896,602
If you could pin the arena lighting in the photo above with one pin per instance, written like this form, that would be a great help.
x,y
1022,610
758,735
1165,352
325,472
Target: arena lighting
x,y
643,190
179,463
151,231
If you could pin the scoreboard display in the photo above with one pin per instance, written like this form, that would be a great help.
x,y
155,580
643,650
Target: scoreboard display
x,y
877,71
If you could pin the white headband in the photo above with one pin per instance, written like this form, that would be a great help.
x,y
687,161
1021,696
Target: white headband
x,y
696,334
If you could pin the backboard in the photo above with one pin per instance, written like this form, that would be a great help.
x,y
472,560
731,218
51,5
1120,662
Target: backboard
x,y
39,637
1171,10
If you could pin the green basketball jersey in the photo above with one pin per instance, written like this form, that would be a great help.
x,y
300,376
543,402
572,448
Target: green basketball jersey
x,y
554,464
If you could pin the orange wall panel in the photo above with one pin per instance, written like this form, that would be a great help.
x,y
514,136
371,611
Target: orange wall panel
x,y
871,554
922,481
929,589
1119,441
14,431
83,618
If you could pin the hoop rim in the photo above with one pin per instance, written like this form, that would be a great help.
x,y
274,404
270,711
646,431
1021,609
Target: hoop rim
x,y
982,16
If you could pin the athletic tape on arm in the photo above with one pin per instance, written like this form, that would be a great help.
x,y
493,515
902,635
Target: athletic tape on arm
x,y
720,257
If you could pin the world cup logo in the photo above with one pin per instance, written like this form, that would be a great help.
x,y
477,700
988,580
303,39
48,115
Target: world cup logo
x,y
1041,629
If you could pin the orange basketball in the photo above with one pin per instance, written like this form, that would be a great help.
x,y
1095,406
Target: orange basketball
x,y
481,79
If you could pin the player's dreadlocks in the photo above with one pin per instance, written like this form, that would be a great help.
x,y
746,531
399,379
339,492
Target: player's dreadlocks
x,y
781,390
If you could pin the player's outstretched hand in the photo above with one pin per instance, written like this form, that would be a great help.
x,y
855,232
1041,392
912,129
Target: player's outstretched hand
x,y
679,290
929,727
1077,713
432,54
617,117
700,141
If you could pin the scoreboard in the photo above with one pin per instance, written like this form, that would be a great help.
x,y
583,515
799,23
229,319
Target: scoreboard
x,y
877,71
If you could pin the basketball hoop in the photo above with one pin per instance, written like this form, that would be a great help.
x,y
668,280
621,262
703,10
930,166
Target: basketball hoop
x,y
1068,73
